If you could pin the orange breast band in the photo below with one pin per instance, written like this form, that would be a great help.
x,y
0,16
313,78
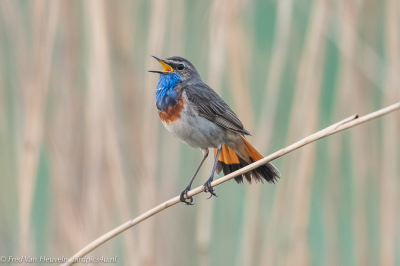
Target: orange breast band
x,y
172,113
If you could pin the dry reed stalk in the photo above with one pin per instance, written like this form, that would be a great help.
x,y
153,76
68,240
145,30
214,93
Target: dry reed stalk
x,y
217,44
103,151
114,164
204,222
359,151
35,96
332,197
274,77
166,226
119,188
216,58
98,79
64,139
121,19
347,43
130,80
369,60
119,185
12,14
3,108
274,243
6,163
170,147
333,185
335,128
306,101
389,198
279,55
238,60
150,124
349,87
390,157
307,94
122,25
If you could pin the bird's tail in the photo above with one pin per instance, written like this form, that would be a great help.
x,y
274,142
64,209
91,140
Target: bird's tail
x,y
229,162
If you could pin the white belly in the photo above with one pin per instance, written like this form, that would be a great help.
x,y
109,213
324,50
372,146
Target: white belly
x,y
196,131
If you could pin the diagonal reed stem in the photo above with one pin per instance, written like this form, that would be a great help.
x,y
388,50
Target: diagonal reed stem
x,y
340,126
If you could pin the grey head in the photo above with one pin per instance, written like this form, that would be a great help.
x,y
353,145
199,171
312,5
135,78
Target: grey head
x,y
180,66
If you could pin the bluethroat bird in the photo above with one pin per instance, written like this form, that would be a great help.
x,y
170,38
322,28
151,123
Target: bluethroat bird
x,y
196,115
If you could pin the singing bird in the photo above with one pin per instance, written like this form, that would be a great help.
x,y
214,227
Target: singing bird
x,y
199,117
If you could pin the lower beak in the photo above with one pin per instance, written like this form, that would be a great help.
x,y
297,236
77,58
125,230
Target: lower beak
x,y
167,68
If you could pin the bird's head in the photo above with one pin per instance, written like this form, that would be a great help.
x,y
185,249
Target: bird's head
x,y
180,66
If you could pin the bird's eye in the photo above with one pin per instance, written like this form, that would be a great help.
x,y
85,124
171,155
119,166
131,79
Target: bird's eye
x,y
181,66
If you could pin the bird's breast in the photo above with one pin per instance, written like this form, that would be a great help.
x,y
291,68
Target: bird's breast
x,y
172,113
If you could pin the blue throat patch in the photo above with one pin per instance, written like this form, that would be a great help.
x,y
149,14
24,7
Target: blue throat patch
x,y
166,95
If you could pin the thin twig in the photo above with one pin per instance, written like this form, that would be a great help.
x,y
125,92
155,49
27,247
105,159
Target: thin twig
x,y
340,126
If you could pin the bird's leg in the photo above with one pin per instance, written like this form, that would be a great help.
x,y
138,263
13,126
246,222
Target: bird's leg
x,y
184,195
207,184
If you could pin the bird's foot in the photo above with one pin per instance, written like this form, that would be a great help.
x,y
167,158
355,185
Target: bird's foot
x,y
184,196
208,188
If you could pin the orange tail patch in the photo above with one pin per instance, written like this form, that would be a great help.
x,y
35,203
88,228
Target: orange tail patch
x,y
229,162
251,151
227,155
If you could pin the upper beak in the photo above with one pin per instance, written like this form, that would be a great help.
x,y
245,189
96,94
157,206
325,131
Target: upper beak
x,y
167,68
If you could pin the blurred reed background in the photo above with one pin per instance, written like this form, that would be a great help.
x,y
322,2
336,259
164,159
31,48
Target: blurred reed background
x,y
82,149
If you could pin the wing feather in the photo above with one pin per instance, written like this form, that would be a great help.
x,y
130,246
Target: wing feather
x,y
213,108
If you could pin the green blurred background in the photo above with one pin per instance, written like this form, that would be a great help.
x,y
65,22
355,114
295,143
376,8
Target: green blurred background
x,y
82,149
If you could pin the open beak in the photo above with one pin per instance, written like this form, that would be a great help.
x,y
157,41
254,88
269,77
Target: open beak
x,y
167,68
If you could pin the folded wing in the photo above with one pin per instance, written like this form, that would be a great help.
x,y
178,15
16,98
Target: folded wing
x,y
212,107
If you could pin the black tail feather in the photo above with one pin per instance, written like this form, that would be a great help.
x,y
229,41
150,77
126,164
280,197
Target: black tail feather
x,y
267,172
